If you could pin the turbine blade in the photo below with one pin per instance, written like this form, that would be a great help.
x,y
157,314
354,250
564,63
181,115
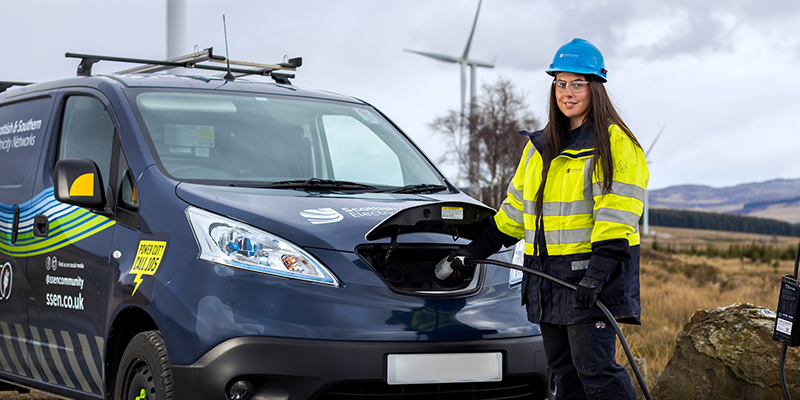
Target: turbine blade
x,y
478,63
654,141
440,57
475,23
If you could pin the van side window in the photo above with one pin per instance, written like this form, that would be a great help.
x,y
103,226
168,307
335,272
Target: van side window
x,y
22,127
87,131
127,197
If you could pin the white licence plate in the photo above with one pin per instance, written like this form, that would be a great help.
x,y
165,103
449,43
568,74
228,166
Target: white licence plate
x,y
404,369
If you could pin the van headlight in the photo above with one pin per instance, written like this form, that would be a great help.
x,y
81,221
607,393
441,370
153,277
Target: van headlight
x,y
515,275
231,243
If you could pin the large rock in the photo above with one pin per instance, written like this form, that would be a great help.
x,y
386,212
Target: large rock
x,y
728,353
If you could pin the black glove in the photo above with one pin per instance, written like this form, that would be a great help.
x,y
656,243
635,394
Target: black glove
x,y
588,288
457,264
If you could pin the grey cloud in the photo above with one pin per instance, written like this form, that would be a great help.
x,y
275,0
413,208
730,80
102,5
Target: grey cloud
x,y
705,31
548,24
604,22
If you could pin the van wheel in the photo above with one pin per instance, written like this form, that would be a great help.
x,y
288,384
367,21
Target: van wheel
x,y
552,389
144,371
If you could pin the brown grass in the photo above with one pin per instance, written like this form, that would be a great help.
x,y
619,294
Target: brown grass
x,y
674,286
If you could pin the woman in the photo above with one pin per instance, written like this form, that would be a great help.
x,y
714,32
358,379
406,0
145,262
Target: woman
x,y
576,199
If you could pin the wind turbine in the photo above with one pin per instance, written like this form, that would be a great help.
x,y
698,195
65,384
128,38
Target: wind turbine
x,y
646,195
464,61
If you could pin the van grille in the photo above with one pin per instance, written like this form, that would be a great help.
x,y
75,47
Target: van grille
x,y
520,388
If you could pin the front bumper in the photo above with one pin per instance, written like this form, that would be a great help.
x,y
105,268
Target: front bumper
x,y
290,369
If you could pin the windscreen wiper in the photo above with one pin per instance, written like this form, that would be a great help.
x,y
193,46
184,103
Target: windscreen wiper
x,y
316,183
421,188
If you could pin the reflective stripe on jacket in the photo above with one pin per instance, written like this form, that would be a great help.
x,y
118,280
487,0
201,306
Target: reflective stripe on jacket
x,y
585,232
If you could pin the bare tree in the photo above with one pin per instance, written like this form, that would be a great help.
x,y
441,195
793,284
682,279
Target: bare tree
x,y
486,144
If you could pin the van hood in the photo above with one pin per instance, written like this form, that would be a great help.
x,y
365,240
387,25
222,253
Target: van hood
x,y
337,221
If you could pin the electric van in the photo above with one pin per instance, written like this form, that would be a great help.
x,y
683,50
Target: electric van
x,y
195,237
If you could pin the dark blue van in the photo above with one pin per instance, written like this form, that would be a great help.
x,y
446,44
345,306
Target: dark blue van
x,y
196,237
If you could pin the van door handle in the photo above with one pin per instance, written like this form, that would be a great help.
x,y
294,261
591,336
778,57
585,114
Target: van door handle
x,y
41,225
15,225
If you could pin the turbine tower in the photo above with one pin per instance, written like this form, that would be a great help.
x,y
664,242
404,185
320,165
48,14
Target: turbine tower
x,y
646,195
176,32
176,28
464,61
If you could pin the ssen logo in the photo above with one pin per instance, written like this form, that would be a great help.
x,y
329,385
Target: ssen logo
x,y
321,215
5,281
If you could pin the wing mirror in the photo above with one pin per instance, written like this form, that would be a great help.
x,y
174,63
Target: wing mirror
x,y
78,182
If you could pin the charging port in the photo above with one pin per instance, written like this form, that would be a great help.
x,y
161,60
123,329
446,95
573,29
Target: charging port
x,y
410,270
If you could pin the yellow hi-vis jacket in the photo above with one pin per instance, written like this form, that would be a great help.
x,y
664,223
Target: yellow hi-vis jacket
x,y
582,232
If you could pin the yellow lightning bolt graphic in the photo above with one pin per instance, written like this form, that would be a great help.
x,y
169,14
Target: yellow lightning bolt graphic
x,y
138,280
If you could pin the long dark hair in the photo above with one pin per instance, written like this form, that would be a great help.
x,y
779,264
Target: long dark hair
x,y
602,114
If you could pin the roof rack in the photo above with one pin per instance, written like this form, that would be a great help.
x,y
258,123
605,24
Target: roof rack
x,y
193,60
4,85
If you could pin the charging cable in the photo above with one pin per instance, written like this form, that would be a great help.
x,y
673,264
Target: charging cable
x,y
782,373
608,315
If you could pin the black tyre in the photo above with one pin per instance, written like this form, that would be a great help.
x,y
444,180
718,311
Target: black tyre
x,y
552,389
144,371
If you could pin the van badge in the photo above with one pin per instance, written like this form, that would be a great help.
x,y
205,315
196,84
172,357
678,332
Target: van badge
x,y
321,215
148,258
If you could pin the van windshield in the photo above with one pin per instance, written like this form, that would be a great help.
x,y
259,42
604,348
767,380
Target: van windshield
x,y
252,139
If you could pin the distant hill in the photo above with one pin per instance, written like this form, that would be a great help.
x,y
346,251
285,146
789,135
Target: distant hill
x,y
777,199
721,222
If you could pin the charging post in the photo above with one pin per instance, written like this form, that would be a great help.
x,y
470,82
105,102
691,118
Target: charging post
x,y
786,326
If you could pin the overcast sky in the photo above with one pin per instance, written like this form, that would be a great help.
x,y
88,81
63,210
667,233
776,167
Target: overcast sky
x,y
719,74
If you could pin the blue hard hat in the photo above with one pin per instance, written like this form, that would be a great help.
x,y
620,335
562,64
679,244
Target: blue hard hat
x,y
579,57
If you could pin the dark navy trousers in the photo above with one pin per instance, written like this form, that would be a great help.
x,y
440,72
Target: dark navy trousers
x,y
582,358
